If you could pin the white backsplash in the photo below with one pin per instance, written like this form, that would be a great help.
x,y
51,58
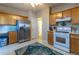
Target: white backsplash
x,y
76,28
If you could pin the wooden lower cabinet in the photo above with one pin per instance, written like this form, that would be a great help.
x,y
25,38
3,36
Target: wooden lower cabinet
x,y
12,37
50,37
74,43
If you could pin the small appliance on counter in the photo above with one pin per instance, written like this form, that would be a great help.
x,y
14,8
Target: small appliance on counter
x,y
52,27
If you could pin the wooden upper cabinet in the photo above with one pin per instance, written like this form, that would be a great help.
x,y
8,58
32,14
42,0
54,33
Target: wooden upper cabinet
x,y
3,19
75,15
52,19
6,19
59,15
66,13
10,19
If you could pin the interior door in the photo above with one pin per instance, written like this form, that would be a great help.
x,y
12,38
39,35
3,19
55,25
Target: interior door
x,y
40,29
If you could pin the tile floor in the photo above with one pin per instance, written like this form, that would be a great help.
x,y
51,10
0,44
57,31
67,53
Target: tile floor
x,y
10,49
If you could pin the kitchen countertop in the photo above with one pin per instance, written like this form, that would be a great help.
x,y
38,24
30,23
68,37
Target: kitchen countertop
x,y
70,33
74,33
3,35
52,31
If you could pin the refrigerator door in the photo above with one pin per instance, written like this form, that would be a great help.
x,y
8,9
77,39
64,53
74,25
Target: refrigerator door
x,y
23,29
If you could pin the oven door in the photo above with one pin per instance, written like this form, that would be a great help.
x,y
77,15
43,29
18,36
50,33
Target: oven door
x,y
61,39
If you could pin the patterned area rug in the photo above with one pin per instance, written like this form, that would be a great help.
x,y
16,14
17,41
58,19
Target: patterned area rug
x,y
36,49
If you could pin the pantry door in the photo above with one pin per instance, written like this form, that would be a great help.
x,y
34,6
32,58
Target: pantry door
x,y
40,29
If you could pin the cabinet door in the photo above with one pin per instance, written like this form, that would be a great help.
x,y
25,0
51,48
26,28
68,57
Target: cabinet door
x,y
52,19
12,37
3,19
50,37
67,13
75,15
12,20
77,45
74,45
59,15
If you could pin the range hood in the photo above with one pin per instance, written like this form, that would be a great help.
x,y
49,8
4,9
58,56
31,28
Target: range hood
x,y
63,19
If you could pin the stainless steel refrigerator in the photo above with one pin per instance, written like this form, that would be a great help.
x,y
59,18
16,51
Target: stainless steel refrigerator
x,y
23,30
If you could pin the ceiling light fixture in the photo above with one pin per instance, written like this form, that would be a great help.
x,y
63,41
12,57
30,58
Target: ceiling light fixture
x,y
35,4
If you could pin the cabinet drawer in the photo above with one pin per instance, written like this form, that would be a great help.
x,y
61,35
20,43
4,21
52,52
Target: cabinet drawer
x,y
50,35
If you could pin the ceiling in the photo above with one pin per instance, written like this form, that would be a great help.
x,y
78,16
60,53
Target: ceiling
x,y
27,6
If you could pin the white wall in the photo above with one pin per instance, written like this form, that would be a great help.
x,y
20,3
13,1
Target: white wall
x,y
44,13
33,18
64,6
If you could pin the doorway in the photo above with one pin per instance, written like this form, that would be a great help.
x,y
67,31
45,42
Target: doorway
x,y
40,29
